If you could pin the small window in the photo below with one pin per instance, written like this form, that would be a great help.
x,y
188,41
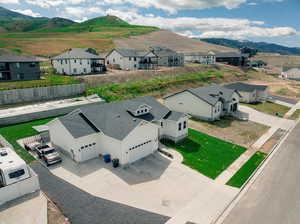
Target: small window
x,y
179,127
82,147
17,65
94,143
114,60
74,60
86,146
75,70
84,70
66,61
134,59
90,145
184,125
161,124
32,65
129,58
61,61
80,61
16,174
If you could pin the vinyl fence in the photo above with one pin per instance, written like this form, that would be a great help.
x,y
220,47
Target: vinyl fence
x,y
16,96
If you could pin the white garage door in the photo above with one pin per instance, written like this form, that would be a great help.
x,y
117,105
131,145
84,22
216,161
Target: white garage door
x,y
88,153
140,151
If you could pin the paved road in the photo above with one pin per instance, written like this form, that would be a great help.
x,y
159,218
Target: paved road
x,y
275,196
83,208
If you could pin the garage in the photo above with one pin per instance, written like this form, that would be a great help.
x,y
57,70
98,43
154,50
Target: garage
x,y
139,151
88,152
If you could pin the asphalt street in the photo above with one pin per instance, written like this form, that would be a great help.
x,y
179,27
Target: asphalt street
x,y
275,195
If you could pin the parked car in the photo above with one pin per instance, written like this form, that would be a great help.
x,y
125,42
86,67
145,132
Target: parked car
x,y
48,154
31,146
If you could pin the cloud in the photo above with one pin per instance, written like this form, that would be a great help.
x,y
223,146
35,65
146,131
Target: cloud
x,y
54,3
172,6
206,27
9,2
81,12
27,12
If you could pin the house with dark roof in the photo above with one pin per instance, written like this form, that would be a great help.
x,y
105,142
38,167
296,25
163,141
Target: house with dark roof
x,y
207,103
167,57
250,93
291,72
127,130
79,61
19,68
130,59
232,58
205,58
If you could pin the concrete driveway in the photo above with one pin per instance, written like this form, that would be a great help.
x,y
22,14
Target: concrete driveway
x,y
267,119
155,184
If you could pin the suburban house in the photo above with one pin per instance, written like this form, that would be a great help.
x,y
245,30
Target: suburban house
x,y
250,93
19,68
207,103
207,58
129,59
167,57
127,130
78,61
291,72
232,58
16,177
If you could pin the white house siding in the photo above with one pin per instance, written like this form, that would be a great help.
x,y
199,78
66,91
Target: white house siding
x,y
61,137
125,63
227,105
188,103
247,97
170,129
73,66
293,73
201,59
141,142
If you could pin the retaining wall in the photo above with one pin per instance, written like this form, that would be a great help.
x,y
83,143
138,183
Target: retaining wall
x,y
16,96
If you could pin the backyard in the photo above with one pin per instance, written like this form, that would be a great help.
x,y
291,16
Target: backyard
x,y
206,154
242,175
270,108
14,132
229,129
46,80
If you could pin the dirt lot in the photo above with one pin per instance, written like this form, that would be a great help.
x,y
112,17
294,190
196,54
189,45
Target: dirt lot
x,y
55,216
238,132
278,60
268,146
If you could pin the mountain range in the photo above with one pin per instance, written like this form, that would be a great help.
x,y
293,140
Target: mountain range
x,y
260,46
11,22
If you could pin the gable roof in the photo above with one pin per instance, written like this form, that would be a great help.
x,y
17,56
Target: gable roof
x,y
78,53
113,119
162,51
17,58
130,52
244,87
210,53
210,94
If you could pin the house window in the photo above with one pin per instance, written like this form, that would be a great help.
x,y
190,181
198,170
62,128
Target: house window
x,y
184,125
80,61
17,65
179,127
63,70
161,124
84,70
32,65
114,60
74,60
16,174
134,58
22,76
66,61
75,70
129,58
61,62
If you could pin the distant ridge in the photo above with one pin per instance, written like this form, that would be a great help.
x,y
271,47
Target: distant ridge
x,y
260,46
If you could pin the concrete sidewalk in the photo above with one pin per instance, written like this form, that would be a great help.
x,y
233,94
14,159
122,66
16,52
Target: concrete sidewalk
x,y
292,110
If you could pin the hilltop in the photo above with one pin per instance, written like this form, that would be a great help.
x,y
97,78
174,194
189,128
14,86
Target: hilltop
x,y
260,46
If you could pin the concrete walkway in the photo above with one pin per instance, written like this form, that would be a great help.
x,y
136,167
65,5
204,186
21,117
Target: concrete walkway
x,y
292,110
30,209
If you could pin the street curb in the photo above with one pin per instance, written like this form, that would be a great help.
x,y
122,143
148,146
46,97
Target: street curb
x,y
244,189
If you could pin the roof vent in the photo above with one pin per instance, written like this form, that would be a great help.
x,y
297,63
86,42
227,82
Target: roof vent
x,y
134,119
221,93
118,116
3,153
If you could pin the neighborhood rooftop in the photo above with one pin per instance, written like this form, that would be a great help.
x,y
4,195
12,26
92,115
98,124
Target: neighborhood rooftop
x,y
228,54
114,119
244,87
17,58
210,94
131,52
78,53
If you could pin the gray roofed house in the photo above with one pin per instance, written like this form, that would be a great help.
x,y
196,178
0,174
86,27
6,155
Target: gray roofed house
x,y
232,58
131,52
19,68
79,61
206,58
127,130
250,93
291,72
207,102
167,57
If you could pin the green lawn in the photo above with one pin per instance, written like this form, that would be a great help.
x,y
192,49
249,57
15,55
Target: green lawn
x,y
295,115
14,132
47,80
206,154
243,174
270,108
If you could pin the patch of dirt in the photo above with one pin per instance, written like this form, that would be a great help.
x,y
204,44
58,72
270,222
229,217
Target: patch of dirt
x,y
269,145
238,132
55,216
278,60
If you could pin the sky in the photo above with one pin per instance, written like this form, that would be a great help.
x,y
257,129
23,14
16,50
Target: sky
x,y
274,21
